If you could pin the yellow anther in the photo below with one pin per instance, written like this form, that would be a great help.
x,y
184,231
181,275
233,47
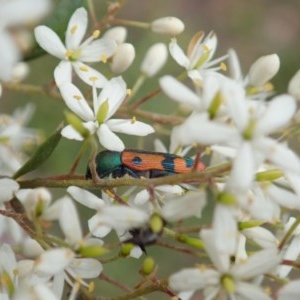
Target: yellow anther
x,y
268,87
93,78
207,150
96,34
84,68
223,66
133,120
128,92
91,287
73,29
77,97
103,58
69,53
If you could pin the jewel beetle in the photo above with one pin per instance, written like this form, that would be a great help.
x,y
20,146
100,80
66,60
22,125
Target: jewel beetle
x,y
140,163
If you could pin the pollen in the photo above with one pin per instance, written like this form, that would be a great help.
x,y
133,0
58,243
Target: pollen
x,y
268,87
207,150
96,34
128,92
93,78
223,66
103,58
83,68
77,97
69,53
133,120
91,287
73,29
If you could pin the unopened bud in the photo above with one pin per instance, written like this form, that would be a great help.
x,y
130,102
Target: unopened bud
x,y
118,34
20,72
92,251
155,59
263,69
148,265
123,58
167,25
294,85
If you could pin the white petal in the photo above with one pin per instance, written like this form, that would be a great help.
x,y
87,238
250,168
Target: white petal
x,y
8,261
179,92
69,222
129,127
178,54
109,140
63,73
261,236
263,69
281,155
291,253
290,291
225,230
98,50
243,169
71,133
117,33
122,217
278,113
114,92
89,75
86,267
259,263
97,228
294,85
248,291
192,279
234,95
208,133
50,41
85,197
76,28
54,260
234,67
191,204
75,100
7,188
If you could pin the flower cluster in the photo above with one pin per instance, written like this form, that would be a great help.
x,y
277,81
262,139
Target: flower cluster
x,y
229,156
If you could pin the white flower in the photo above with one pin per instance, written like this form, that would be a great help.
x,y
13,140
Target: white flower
x,y
231,279
75,53
98,120
198,59
12,13
260,72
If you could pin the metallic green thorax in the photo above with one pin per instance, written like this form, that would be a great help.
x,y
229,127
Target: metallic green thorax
x,y
106,163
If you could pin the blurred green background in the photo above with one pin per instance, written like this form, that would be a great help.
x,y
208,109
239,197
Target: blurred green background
x,y
252,28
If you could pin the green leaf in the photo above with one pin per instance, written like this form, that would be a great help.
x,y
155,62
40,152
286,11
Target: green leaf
x,y
58,21
41,154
